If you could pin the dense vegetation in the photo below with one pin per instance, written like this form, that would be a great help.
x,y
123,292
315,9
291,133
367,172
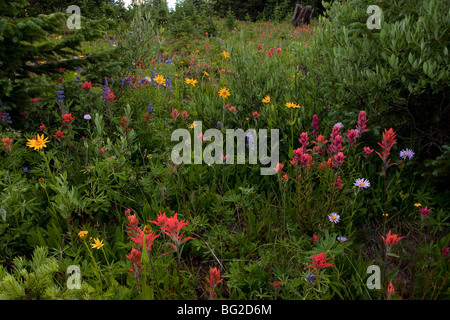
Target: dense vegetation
x,y
88,177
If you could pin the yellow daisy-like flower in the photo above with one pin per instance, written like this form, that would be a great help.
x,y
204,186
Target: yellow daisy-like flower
x,y
206,73
97,244
417,204
149,156
192,126
38,142
292,105
190,81
41,180
266,99
226,54
81,234
147,229
159,79
224,93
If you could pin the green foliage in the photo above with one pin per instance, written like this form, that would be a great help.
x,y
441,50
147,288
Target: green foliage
x,y
30,59
81,198
399,73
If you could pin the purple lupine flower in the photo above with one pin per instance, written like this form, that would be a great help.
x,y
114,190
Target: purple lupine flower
x,y
168,84
150,107
310,277
60,96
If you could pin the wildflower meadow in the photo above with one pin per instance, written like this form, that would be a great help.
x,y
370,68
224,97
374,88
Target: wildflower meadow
x,y
215,151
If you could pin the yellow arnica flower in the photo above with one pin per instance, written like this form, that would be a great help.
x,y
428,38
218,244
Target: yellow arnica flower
x,y
38,142
160,79
81,234
224,93
192,125
226,54
292,105
190,81
417,204
147,229
266,99
206,73
97,244
149,156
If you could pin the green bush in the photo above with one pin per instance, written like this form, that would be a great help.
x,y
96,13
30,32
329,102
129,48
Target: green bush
x,y
399,74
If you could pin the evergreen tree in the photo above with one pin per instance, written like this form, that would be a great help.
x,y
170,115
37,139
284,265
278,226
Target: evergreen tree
x,y
30,58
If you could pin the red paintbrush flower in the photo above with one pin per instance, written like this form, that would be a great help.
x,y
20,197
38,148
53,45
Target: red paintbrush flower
x,y
386,146
315,125
160,219
67,118
6,143
425,211
133,223
214,280
87,86
172,228
175,114
59,134
42,127
320,261
391,239
149,238
135,258
277,284
361,124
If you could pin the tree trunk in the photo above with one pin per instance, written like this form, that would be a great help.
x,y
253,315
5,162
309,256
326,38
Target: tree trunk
x,y
302,15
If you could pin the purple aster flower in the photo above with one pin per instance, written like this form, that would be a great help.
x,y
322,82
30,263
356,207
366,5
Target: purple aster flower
x,y
334,217
362,183
339,124
341,239
310,277
407,153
